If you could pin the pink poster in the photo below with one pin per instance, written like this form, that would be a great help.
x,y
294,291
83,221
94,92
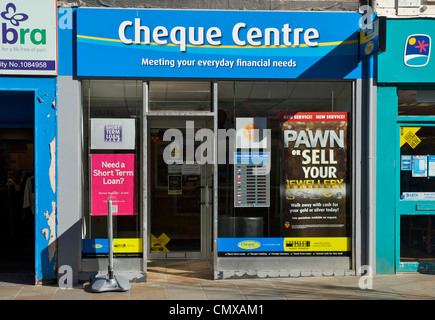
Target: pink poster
x,y
113,176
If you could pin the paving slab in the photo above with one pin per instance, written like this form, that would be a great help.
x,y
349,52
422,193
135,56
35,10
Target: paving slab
x,y
77,293
148,291
9,292
37,293
192,280
188,290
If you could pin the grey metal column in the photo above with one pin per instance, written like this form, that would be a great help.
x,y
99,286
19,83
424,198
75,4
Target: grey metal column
x,y
70,182
371,166
357,177
145,173
215,179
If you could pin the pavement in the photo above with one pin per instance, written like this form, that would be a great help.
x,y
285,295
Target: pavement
x,y
192,280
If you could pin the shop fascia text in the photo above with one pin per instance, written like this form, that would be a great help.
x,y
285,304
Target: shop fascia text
x,y
317,163
241,35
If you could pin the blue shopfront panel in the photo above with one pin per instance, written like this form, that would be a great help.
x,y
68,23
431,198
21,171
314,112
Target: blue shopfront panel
x,y
43,93
217,44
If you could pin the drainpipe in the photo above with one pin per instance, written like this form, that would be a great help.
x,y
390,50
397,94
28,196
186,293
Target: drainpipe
x,y
371,165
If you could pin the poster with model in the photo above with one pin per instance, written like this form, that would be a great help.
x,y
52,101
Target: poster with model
x,y
315,187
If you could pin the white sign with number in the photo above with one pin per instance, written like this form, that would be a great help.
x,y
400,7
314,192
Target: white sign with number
x,y
28,40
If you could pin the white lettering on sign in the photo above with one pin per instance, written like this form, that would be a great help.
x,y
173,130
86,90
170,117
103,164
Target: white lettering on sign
x,y
311,140
241,35
257,37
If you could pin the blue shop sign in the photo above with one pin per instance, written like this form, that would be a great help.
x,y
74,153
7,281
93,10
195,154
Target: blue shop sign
x,y
372,37
217,44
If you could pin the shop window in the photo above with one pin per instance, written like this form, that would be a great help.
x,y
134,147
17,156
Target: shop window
x,y
307,186
112,131
417,238
179,96
417,179
417,163
416,102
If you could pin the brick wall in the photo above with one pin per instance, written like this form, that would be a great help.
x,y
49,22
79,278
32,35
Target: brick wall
x,y
289,5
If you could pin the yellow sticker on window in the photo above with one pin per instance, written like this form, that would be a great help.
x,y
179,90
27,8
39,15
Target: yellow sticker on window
x,y
158,244
408,135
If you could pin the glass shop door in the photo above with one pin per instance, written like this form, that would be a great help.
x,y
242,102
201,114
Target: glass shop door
x,y
180,194
415,227
417,198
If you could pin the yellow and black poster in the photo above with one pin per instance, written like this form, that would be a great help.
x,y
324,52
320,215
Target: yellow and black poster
x,y
315,189
175,184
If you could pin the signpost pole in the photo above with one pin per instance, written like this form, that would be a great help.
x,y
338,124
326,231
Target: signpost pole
x,y
110,282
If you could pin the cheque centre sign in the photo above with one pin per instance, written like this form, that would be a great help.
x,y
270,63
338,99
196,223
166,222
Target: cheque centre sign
x,y
223,44
182,36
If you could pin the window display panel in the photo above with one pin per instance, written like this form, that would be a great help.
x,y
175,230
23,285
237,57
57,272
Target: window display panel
x,y
417,163
307,162
417,238
111,121
416,102
179,96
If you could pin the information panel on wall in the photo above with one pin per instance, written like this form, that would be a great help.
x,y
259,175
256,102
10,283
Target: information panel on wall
x,y
252,163
28,42
252,179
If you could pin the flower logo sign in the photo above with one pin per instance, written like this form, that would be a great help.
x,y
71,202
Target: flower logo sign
x,y
11,14
417,50
28,37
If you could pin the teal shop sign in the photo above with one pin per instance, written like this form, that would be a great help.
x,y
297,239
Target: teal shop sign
x,y
409,55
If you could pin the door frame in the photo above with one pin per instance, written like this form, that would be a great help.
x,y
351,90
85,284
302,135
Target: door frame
x,y
206,229
408,207
45,128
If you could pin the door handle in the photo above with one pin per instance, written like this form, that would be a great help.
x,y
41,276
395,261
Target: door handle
x,y
210,193
198,195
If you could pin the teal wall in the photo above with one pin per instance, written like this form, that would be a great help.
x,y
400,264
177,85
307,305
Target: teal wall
x,y
392,72
385,180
